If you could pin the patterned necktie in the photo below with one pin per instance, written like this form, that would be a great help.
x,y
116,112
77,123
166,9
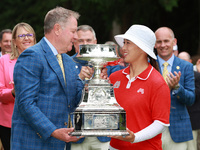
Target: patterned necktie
x,y
61,64
165,71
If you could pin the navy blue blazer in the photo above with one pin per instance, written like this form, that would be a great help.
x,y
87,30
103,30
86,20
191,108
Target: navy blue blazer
x,y
112,69
180,125
43,101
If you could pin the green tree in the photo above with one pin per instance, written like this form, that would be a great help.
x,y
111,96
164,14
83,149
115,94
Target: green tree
x,y
181,16
29,11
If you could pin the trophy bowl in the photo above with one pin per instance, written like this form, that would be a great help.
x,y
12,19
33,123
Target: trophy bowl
x,y
97,55
98,114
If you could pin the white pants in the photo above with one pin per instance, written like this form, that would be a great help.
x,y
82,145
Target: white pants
x,y
169,144
90,143
192,144
198,140
111,148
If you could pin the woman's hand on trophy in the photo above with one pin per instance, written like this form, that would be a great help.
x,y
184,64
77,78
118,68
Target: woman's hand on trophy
x,y
86,72
103,74
128,138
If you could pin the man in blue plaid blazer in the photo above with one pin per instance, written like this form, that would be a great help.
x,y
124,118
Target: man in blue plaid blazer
x,y
181,84
44,99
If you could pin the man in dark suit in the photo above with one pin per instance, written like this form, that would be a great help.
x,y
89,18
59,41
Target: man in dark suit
x,y
48,87
180,80
194,110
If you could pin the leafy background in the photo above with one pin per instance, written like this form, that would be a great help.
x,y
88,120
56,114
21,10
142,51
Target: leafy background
x,y
181,15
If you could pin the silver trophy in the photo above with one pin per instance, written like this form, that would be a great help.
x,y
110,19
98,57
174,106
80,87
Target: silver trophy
x,y
98,114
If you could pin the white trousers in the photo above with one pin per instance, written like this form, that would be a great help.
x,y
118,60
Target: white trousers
x,y
90,143
111,148
169,144
192,144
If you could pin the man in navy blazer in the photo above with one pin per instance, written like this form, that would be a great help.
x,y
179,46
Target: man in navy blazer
x,y
44,97
181,83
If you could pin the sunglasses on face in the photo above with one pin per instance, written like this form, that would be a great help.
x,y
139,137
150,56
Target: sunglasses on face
x,y
22,36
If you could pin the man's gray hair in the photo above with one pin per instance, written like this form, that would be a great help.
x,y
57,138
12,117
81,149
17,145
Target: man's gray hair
x,y
87,28
58,15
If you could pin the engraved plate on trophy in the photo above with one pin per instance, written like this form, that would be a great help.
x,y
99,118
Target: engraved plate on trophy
x,y
98,114
101,121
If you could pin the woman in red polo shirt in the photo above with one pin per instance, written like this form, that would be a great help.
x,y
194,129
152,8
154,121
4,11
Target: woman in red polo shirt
x,y
141,91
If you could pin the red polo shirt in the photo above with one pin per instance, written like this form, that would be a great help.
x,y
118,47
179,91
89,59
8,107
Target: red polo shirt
x,y
145,98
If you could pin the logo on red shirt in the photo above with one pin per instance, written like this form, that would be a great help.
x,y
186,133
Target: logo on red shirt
x,y
140,91
117,84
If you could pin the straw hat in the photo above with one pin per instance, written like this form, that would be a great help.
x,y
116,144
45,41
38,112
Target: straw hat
x,y
140,35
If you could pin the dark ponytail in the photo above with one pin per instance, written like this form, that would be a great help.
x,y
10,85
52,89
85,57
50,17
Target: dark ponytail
x,y
154,63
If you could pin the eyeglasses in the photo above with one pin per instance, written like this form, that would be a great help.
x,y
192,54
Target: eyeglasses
x,y
22,36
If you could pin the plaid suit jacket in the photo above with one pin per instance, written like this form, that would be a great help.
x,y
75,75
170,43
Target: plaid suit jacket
x,y
180,125
43,101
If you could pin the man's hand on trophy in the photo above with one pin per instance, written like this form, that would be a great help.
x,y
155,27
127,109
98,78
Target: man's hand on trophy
x,y
128,138
63,134
86,72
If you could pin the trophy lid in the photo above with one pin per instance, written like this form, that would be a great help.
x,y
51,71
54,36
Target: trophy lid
x,y
98,51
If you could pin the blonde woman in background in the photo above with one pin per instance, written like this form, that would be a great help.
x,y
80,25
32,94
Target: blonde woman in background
x,y
23,36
